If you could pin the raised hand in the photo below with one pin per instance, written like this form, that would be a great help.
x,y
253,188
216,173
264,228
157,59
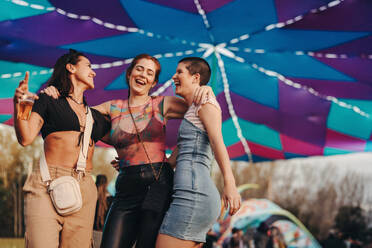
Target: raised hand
x,y
22,92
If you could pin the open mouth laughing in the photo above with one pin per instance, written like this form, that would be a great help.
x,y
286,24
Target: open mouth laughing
x,y
140,81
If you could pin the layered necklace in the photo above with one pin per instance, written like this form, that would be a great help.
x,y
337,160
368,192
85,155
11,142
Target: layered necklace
x,y
76,101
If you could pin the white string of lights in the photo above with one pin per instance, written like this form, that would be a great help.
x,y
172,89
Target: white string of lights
x,y
128,61
230,106
168,55
100,22
123,28
31,5
21,74
106,65
301,53
202,13
287,22
312,91
162,88
217,49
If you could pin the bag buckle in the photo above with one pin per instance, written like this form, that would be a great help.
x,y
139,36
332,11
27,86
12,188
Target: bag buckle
x,y
80,174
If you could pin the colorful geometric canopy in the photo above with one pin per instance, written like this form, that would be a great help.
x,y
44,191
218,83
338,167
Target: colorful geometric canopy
x,y
294,78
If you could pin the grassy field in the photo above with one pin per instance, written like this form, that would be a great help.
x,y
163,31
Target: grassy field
x,y
12,243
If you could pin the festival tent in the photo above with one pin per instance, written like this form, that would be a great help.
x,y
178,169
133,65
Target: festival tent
x,y
293,78
255,213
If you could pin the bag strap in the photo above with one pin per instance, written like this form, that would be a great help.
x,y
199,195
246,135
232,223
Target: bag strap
x,y
143,145
82,160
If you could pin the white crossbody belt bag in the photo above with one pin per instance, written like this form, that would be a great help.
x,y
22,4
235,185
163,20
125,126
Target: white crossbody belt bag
x,y
65,191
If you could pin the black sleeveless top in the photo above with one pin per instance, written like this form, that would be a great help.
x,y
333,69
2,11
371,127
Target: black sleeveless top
x,y
59,116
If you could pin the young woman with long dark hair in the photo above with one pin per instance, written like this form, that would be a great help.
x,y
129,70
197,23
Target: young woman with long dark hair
x,y
61,122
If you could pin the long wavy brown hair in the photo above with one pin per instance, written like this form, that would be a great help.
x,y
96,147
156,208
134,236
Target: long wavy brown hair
x,y
60,77
101,208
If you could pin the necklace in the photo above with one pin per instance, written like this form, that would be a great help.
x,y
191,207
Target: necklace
x,y
75,100
147,100
143,145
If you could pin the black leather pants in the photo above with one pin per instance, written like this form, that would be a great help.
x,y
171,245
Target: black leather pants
x,y
127,223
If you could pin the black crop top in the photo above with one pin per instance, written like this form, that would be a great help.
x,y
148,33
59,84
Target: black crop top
x,y
59,116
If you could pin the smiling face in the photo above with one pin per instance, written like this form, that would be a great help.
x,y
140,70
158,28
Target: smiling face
x,y
83,72
185,82
142,77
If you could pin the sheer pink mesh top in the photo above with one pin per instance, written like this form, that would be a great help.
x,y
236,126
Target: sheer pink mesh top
x,y
150,122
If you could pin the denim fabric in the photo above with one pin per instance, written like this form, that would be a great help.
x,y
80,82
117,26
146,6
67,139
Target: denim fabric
x,y
196,202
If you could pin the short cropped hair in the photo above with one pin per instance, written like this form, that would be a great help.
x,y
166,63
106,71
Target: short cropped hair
x,y
198,65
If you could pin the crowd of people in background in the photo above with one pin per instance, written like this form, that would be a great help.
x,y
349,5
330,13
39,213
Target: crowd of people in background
x,y
265,236
262,237
337,239
104,200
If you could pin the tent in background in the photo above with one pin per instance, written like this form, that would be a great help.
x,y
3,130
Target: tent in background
x,y
255,214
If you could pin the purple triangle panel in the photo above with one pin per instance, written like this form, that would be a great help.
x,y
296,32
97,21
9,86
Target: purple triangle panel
x,y
299,102
303,111
54,29
292,124
46,56
288,9
98,96
308,131
189,5
108,11
359,47
167,92
172,131
352,90
358,68
349,15
252,111
105,76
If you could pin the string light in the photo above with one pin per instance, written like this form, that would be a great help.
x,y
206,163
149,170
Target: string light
x,y
202,13
20,74
308,89
102,23
162,88
209,49
158,56
288,22
300,53
31,5
231,107
104,65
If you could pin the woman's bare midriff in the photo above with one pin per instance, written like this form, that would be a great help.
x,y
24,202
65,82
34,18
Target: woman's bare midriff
x,y
62,150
